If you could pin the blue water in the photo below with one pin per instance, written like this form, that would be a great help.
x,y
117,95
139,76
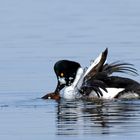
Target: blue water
x,y
33,36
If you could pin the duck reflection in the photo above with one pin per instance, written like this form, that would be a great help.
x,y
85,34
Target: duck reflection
x,y
93,117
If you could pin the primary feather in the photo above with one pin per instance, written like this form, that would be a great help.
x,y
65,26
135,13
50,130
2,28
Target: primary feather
x,y
119,67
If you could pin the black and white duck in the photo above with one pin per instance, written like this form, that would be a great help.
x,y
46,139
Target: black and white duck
x,y
96,81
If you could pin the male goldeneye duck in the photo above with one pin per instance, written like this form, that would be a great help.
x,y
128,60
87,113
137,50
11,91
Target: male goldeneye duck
x,y
94,82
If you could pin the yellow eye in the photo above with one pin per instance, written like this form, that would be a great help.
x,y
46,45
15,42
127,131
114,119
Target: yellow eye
x,y
61,74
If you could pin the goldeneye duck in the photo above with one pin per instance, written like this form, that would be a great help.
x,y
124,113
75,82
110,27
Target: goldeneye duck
x,y
66,72
96,81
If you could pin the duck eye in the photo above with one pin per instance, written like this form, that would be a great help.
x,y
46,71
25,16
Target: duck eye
x,y
61,74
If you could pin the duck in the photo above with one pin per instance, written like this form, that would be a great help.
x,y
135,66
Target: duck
x,y
95,82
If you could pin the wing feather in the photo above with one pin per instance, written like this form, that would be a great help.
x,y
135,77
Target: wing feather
x,y
119,67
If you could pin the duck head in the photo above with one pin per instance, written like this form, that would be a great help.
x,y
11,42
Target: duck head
x,y
65,71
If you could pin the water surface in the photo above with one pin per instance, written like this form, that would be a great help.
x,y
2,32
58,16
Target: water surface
x,y
33,36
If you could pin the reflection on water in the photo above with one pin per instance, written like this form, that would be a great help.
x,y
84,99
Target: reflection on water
x,y
100,117
56,120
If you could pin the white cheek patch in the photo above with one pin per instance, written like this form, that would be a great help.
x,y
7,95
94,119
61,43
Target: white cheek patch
x,y
62,80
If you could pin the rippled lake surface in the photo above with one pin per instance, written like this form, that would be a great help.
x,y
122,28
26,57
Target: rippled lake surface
x,y
33,36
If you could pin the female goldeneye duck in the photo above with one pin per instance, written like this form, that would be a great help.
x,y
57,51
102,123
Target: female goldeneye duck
x,y
94,82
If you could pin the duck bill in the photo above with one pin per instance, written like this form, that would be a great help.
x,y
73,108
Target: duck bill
x,y
59,87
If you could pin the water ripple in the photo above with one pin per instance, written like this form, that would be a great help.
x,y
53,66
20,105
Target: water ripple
x,y
109,117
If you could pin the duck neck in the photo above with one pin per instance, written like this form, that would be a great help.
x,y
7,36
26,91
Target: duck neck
x,y
78,76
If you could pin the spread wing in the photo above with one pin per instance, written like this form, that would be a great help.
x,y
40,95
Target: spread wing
x,y
98,71
89,81
96,66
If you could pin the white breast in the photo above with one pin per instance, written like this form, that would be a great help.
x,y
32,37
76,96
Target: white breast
x,y
71,92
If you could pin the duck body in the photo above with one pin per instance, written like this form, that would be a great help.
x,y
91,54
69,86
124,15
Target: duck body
x,y
114,87
117,87
96,81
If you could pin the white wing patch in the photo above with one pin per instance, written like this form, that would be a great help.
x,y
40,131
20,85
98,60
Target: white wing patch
x,y
111,92
96,61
